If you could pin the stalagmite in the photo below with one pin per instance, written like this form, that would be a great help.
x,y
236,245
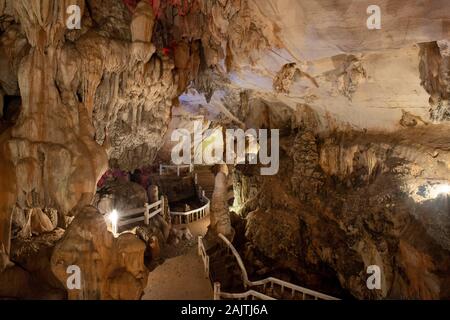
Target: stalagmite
x,y
220,216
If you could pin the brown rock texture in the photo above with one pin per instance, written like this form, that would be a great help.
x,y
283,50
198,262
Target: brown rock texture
x,y
50,152
220,218
120,195
31,276
111,268
363,118
346,201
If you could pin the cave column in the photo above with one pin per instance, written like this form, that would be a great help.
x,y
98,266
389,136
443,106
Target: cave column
x,y
219,215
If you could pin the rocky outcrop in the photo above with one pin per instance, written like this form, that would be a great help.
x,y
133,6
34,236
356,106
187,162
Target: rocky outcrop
x,y
102,94
362,114
435,76
50,153
30,276
120,195
111,268
219,215
346,201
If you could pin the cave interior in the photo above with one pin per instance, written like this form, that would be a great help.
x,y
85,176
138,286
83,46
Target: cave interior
x,y
300,149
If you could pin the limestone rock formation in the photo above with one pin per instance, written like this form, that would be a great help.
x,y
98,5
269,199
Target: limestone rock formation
x,y
4,260
434,73
220,218
111,268
363,116
120,195
352,200
50,153
31,276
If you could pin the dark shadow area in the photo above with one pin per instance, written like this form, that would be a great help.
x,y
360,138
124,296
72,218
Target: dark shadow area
x,y
12,106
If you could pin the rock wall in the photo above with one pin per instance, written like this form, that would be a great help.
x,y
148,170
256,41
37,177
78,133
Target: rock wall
x,y
349,200
73,102
50,153
435,76
111,268
88,97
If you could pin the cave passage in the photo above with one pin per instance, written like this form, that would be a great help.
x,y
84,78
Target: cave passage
x,y
224,150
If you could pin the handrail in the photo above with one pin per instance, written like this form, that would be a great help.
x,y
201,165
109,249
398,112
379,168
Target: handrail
x,y
204,255
219,294
293,287
240,296
194,210
177,167
271,280
125,218
238,258
195,214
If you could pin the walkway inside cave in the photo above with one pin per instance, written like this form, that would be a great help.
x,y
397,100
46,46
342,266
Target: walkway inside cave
x,y
182,276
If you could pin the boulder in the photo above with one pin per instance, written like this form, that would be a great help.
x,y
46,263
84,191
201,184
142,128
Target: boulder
x,y
4,260
31,277
37,222
40,222
155,249
111,268
120,195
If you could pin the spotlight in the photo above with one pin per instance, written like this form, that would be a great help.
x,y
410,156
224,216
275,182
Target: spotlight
x,y
439,189
114,218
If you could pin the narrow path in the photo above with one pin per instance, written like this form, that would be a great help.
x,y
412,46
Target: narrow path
x,y
181,277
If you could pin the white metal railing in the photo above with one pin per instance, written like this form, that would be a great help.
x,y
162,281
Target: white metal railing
x,y
196,214
274,282
290,287
218,294
202,253
165,168
248,295
144,214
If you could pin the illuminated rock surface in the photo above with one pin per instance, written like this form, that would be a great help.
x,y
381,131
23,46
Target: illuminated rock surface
x,y
111,268
363,118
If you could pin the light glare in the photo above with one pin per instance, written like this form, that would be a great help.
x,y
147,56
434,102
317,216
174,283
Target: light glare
x,y
114,216
439,189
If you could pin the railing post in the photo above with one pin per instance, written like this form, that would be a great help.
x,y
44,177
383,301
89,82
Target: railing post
x,y
195,179
216,290
178,171
146,214
162,206
160,169
199,245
